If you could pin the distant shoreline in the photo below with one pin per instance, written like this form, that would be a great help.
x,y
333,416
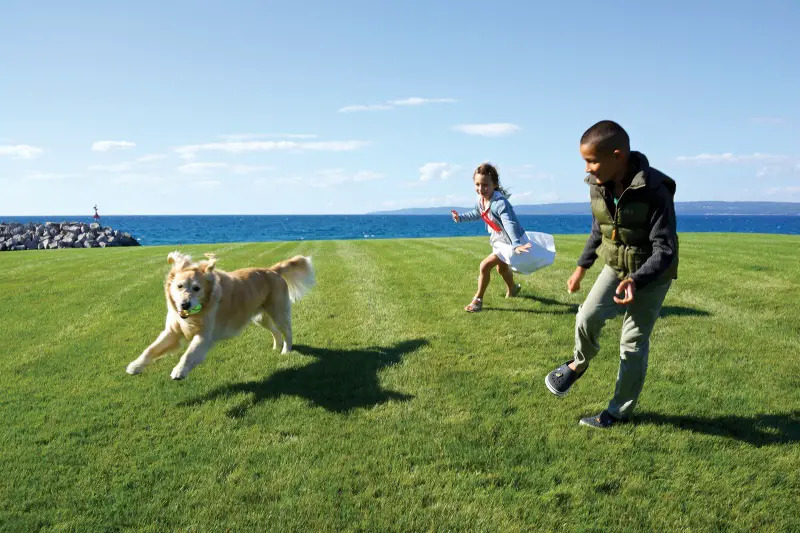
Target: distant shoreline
x,y
713,208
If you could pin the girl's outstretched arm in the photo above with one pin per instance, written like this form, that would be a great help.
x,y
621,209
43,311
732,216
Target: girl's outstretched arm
x,y
469,216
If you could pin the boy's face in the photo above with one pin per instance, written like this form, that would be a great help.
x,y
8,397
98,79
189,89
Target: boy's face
x,y
604,167
484,185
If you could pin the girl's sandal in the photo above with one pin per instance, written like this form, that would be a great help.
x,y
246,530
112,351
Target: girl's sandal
x,y
517,289
474,306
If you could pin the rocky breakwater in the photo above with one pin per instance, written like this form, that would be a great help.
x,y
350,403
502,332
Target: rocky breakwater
x,y
50,235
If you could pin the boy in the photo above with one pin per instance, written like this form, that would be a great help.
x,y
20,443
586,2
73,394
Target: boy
x,y
634,233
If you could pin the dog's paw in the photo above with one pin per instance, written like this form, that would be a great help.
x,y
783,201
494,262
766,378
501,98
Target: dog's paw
x,y
179,372
134,368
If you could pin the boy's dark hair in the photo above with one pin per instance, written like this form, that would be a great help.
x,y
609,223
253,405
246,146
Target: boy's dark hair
x,y
607,136
487,169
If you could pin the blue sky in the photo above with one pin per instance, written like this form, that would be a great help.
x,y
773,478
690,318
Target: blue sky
x,y
180,107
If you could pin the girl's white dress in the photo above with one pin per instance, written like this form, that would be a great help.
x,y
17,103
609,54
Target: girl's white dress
x,y
541,254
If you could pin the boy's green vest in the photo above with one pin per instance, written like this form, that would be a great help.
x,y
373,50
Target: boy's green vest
x,y
626,237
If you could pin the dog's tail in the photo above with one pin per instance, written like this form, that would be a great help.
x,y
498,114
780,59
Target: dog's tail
x,y
298,273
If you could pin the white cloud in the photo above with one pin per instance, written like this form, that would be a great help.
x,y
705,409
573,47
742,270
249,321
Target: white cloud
x,y
251,136
391,104
371,107
323,178
415,100
496,129
20,151
729,157
203,167
190,151
106,146
438,170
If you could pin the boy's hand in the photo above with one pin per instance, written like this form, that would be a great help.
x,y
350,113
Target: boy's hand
x,y
523,248
455,215
574,281
626,287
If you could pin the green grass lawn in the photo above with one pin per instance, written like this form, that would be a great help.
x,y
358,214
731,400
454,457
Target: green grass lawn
x,y
398,411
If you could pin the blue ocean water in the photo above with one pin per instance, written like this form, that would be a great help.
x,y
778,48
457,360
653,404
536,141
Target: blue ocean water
x,y
196,229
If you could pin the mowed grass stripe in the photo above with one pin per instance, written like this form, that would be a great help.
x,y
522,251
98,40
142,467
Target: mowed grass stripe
x,y
373,312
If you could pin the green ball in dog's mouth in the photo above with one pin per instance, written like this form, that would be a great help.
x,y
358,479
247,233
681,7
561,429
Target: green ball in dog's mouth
x,y
193,311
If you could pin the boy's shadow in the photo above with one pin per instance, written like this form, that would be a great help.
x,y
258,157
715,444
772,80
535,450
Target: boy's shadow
x,y
759,430
338,380
565,308
677,310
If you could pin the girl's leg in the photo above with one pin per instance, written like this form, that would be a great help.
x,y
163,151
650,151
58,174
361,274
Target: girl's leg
x,y
483,281
508,276
485,273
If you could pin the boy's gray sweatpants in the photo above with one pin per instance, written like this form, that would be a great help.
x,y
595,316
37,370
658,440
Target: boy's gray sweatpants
x,y
634,344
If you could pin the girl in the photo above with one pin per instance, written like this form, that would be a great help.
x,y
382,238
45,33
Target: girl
x,y
505,230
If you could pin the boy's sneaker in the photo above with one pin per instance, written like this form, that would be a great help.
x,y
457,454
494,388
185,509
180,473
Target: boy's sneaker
x,y
602,421
561,379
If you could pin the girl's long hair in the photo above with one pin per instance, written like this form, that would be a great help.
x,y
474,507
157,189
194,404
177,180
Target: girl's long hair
x,y
487,169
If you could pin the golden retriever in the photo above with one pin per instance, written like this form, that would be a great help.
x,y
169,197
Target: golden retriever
x,y
205,305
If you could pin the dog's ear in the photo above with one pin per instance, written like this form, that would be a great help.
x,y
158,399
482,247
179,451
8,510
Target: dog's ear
x,y
209,264
178,260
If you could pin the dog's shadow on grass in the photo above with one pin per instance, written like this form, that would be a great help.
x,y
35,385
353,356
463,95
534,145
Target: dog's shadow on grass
x,y
759,430
338,380
556,307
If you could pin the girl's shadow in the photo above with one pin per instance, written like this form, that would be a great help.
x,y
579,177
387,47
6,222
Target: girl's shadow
x,y
555,307
338,380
